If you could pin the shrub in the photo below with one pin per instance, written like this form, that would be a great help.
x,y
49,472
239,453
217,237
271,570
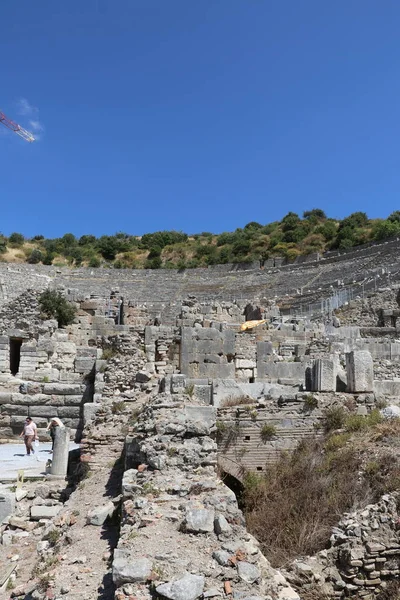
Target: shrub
x,y
267,432
35,257
54,306
310,402
359,422
292,508
94,262
230,401
16,239
118,407
334,418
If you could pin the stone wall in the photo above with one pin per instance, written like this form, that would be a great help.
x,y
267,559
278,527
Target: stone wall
x,y
161,287
363,555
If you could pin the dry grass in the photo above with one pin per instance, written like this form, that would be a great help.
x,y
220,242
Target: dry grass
x,y
293,507
231,401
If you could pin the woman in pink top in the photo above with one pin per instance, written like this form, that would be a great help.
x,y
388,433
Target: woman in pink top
x,y
30,433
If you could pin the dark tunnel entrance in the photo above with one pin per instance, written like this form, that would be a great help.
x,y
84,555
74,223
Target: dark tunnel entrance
x,y
15,354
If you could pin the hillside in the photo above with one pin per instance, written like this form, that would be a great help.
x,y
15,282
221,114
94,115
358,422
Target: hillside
x,y
291,237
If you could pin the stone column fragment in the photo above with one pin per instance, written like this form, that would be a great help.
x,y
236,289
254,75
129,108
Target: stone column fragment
x,y
324,375
59,464
360,371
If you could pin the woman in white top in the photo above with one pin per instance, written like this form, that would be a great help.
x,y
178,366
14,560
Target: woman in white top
x,y
29,433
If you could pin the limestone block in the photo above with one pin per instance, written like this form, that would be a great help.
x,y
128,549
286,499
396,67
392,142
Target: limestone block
x,y
65,348
71,400
242,363
127,569
5,398
71,412
188,587
44,512
98,514
178,383
324,375
360,372
84,365
14,409
7,504
62,388
202,393
6,433
44,411
89,411
199,520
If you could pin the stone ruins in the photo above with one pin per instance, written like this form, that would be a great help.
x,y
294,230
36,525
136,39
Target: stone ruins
x,y
168,399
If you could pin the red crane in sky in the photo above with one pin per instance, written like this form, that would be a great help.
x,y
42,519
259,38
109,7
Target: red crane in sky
x,y
16,128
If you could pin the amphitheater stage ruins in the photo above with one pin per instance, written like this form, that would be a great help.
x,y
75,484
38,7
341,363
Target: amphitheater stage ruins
x,y
171,405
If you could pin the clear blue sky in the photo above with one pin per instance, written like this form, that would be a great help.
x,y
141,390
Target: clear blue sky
x,y
197,115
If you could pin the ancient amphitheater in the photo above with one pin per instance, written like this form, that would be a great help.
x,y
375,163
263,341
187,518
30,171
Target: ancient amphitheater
x,y
169,403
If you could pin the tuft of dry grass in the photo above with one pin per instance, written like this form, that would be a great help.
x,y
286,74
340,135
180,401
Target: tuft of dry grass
x,y
292,508
231,401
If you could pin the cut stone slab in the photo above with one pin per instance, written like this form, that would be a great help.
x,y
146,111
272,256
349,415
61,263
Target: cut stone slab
x,y
199,520
7,504
44,512
20,494
20,523
222,557
127,569
221,526
189,587
248,572
99,514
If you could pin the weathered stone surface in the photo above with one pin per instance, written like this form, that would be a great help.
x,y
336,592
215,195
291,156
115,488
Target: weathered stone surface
x,y
199,520
222,526
44,512
189,587
248,572
360,372
62,388
128,569
7,504
98,514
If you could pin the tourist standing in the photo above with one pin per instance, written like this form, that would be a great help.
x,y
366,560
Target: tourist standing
x,y
51,428
29,433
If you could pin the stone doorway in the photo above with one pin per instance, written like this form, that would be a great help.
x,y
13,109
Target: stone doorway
x,y
15,354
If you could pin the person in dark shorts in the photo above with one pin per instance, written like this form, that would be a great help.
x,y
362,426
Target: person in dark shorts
x,y
29,433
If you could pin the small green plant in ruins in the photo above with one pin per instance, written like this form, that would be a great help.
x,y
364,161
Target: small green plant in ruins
x,y
310,402
118,407
53,305
267,432
189,390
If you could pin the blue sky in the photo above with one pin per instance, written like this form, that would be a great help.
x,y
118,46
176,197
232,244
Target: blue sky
x,y
197,115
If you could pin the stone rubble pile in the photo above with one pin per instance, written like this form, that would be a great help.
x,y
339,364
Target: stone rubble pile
x,y
182,534
364,554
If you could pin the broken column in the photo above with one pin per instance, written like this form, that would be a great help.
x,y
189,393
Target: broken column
x,y
59,464
324,375
360,371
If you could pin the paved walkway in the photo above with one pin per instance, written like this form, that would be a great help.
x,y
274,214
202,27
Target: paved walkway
x,y
13,458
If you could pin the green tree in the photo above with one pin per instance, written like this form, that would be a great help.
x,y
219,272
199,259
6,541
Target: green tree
x,y
94,262
16,239
35,257
316,213
290,221
386,229
54,306
394,217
